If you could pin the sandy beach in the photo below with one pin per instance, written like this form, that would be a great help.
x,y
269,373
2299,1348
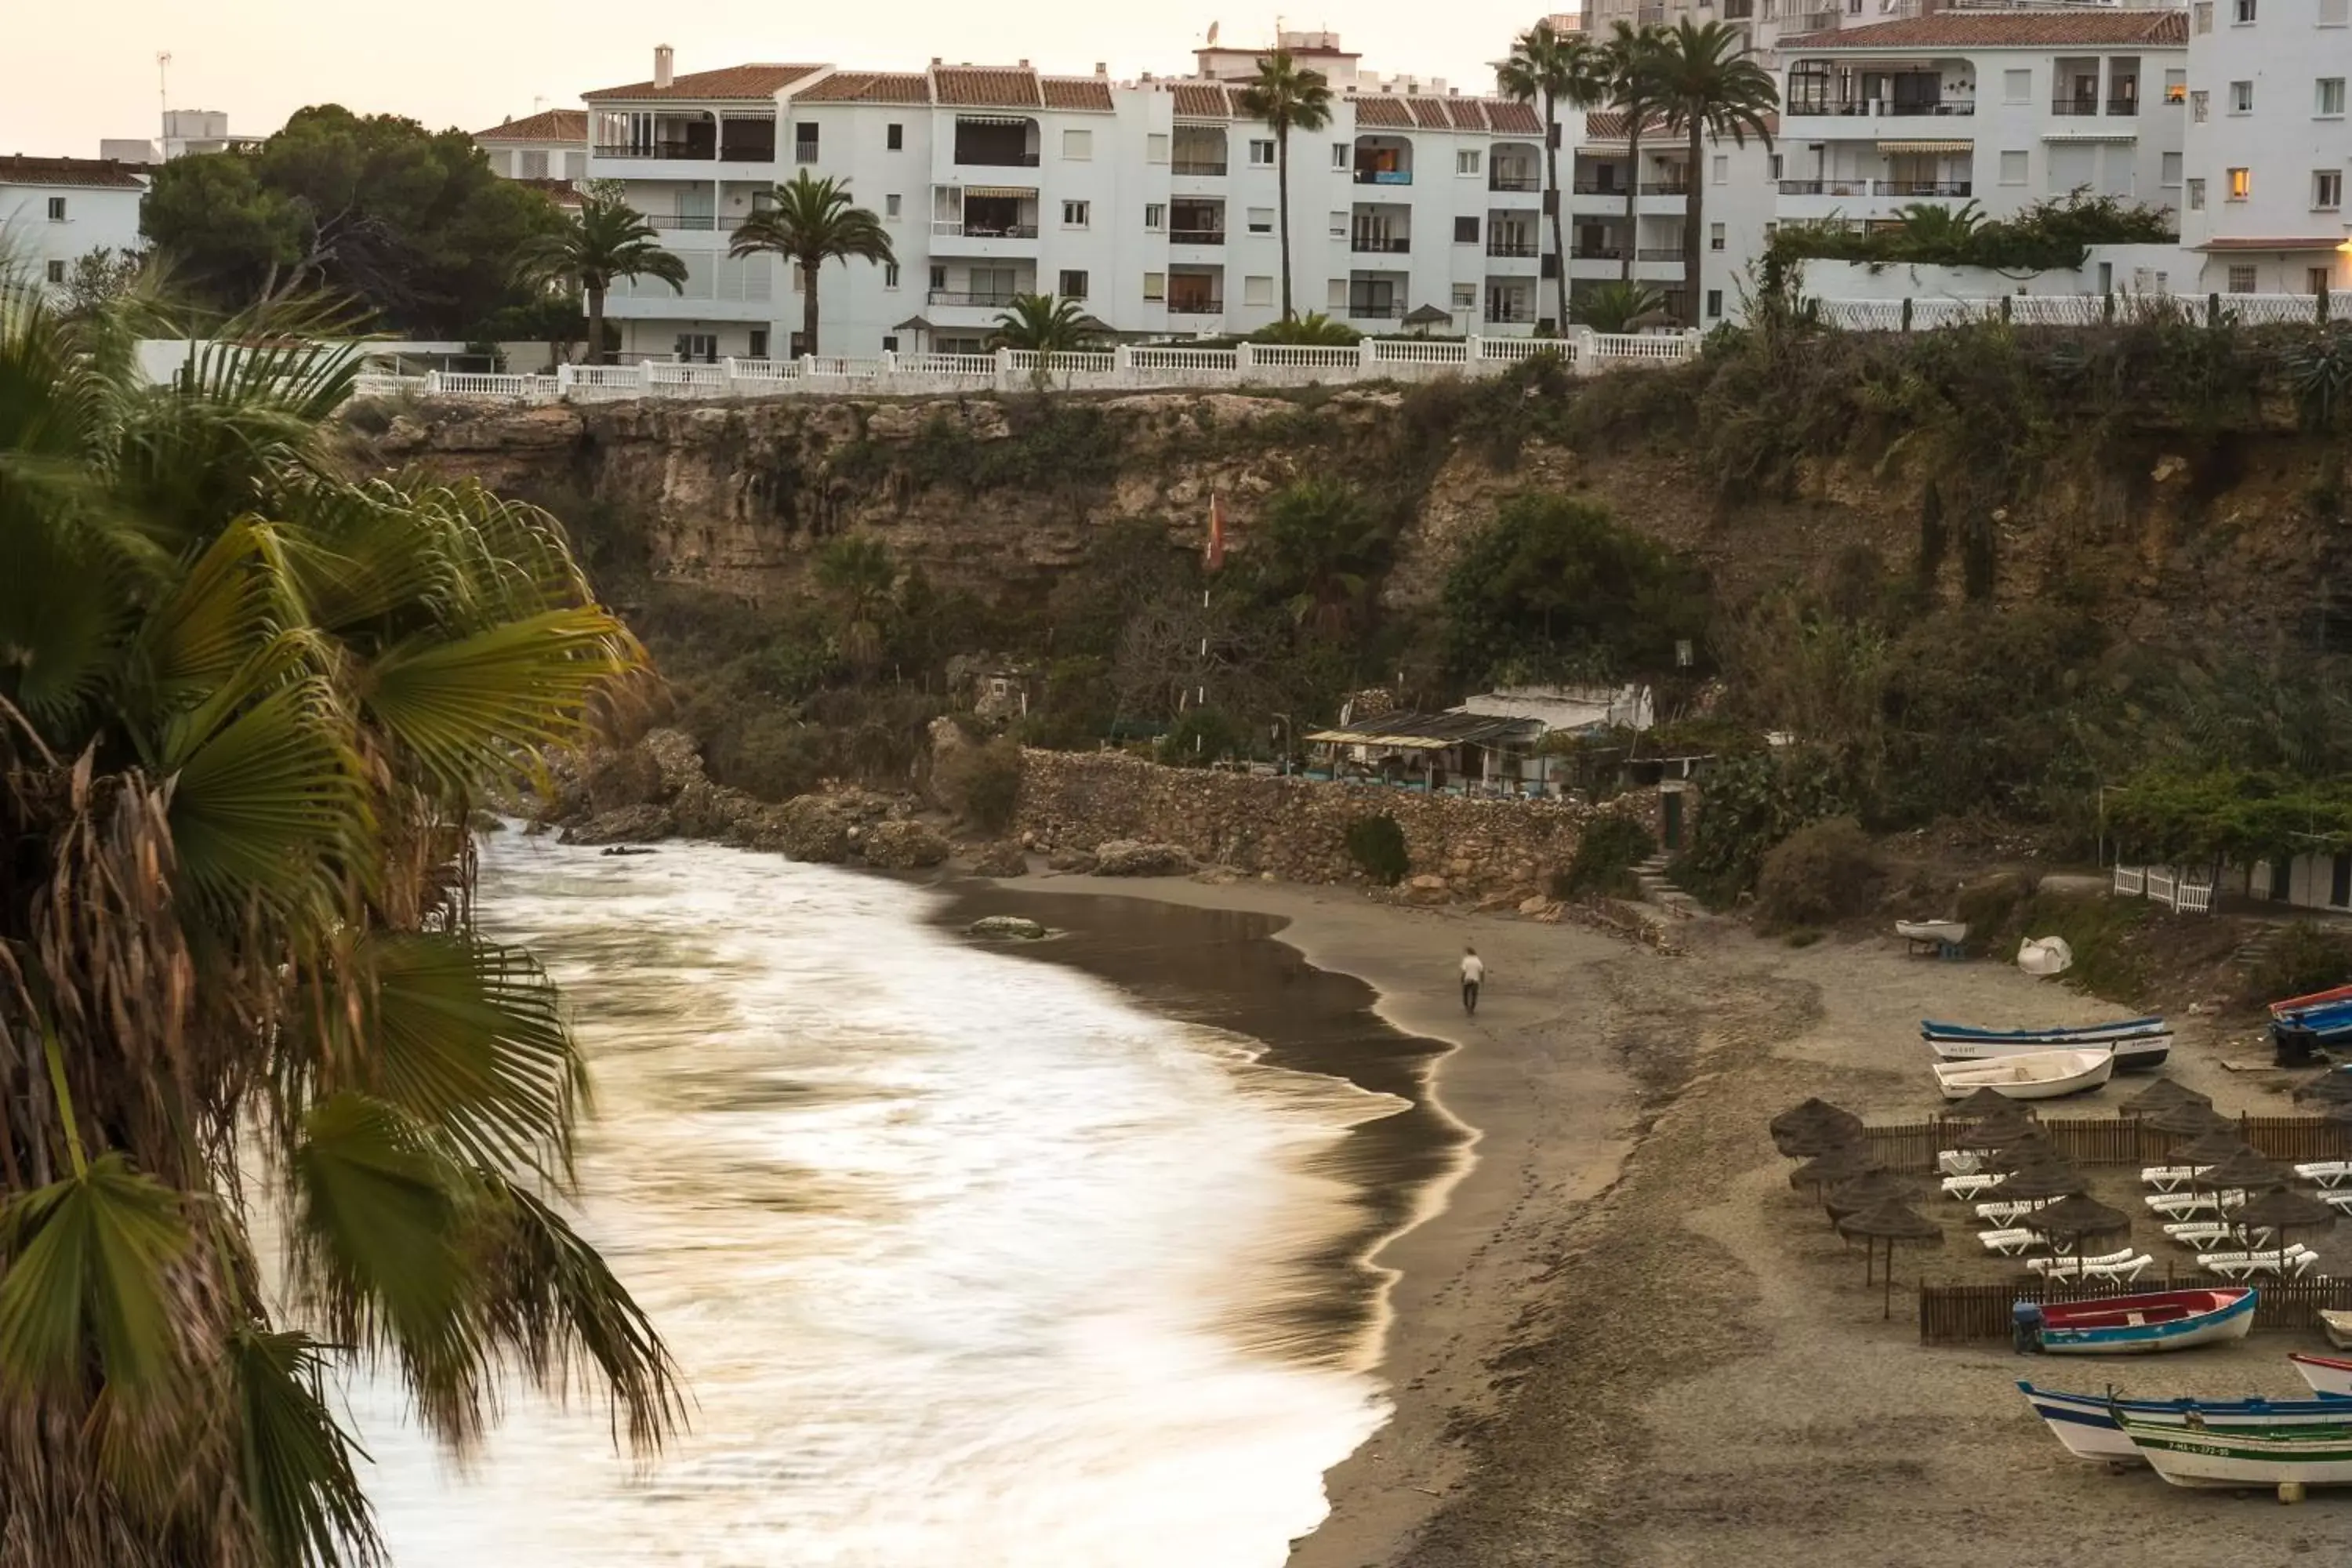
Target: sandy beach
x,y
1619,1338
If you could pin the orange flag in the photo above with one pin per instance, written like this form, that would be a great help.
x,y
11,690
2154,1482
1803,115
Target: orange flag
x,y
1215,555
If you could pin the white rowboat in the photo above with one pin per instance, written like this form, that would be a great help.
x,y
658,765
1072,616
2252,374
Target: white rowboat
x,y
2319,1455
1953,931
2131,1051
2029,1075
2325,1374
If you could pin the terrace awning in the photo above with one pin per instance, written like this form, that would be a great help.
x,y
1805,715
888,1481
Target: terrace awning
x,y
1426,732
1009,193
1945,146
2090,135
963,119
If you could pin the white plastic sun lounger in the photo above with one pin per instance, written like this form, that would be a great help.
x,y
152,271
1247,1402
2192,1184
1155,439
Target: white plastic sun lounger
x,y
2011,1243
2181,1206
2124,1264
2067,1264
2002,1213
2292,1261
1970,1186
1959,1161
2202,1234
2165,1178
2326,1173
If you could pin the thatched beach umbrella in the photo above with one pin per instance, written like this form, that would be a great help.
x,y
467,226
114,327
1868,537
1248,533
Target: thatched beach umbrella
x,y
2212,1146
1808,1122
1837,1165
2333,1087
1986,1102
2243,1172
1860,1191
2281,1211
1891,1223
2188,1118
2039,1179
2077,1217
2163,1094
2033,1148
1998,1132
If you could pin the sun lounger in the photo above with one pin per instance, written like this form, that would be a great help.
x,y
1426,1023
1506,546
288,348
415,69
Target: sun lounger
x,y
2123,1270
2290,1261
2180,1206
2003,1211
1960,1162
2203,1234
2010,1243
2326,1173
2165,1178
2124,1264
1970,1186
2341,1198
2067,1264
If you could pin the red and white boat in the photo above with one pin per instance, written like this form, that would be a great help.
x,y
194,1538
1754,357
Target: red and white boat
x,y
2327,1375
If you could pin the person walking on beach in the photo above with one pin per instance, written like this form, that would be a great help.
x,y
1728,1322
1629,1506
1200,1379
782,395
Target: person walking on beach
x,y
1474,971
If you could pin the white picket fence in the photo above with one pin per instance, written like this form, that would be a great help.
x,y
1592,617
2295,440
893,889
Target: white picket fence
x,y
1583,352
2186,892
1925,313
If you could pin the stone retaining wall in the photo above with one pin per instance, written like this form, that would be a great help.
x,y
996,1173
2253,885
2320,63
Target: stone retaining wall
x,y
1296,828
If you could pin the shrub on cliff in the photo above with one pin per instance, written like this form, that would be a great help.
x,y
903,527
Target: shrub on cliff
x,y
981,782
1376,844
2303,958
1200,736
771,755
1818,875
1606,854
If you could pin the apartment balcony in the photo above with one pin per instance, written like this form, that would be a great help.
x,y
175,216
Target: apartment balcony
x,y
1379,244
980,299
948,229
1384,176
1528,184
1889,109
1917,188
2123,106
684,223
1510,316
1658,253
1196,236
1375,309
1196,305
1665,187
1512,248
1208,168
2077,107
1825,188
1596,252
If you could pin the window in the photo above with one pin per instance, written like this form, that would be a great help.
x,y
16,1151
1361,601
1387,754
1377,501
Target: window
x,y
57,271
1155,147
804,143
2244,15
2176,86
2327,97
894,136
2317,279
1465,296
1155,217
575,166
2197,102
1074,285
2242,279
1465,231
2241,98
758,342
1261,220
2204,14
889,275
1466,161
1075,213
1339,225
2197,195
2017,87
2169,171
1721,171
535,168
1715,237
1773,174
1078,146
2326,190
2241,184
1258,290
2012,168
703,346
890,209
1261,154
1339,159
1155,285
57,209
1714,304
939,277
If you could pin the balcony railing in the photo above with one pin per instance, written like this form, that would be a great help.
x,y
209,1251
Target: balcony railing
x,y
1375,311
979,159
1196,307
1836,107
1510,247
1384,176
1380,244
1587,188
1596,252
1196,236
1665,187
2075,106
949,228
1659,253
1825,188
689,221
1514,182
1514,316
1818,21
986,298
2123,106
1200,166
1922,188
677,149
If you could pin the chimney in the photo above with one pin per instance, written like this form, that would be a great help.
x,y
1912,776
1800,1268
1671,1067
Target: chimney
x,y
1025,65
1102,68
662,58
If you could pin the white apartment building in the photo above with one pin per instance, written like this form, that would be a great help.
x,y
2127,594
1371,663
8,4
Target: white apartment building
x,y
54,210
186,131
1738,212
1152,202
550,145
2002,108
2268,148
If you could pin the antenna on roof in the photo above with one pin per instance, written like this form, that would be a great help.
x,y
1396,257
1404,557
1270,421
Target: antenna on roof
x,y
164,81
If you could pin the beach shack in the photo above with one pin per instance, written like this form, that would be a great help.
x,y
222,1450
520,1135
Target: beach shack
x,y
1490,745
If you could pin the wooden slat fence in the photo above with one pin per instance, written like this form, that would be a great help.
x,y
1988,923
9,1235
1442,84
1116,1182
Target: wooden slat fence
x,y
1912,1147
1958,1314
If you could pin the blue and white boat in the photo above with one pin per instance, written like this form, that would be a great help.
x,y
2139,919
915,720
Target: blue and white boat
x,y
2138,1043
2084,1424
2133,1325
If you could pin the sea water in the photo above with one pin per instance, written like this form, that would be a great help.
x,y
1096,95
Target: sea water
x,y
959,1253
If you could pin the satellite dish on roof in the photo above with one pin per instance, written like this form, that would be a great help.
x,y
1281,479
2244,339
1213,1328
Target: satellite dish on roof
x,y
1212,35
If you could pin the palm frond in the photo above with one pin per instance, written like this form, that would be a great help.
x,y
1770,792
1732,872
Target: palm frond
x,y
294,1459
88,1264
469,707
378,1233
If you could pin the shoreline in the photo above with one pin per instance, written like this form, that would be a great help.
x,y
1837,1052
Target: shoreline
x,y
1538,1115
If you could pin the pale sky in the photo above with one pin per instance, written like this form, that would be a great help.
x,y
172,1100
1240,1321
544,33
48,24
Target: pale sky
x,y
78,74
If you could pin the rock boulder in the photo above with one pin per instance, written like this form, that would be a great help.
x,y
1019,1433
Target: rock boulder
x,y
624,825
1006,928
903,846
1000,860
1135,857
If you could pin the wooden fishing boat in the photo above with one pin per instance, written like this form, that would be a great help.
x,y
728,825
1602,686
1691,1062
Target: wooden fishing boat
x,y
2337,1327
2152,1320
1952,931
2325,1374
2085,1423
2313,999
2056,1034
2207,1455
2029,1075
2134,1053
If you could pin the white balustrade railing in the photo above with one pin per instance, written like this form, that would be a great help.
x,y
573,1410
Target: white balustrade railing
x,y
1925,313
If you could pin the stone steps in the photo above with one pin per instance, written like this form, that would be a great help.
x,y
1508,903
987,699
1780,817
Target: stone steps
x,y
1658,888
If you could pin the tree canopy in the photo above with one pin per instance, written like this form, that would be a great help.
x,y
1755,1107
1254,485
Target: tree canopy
x,y
410,225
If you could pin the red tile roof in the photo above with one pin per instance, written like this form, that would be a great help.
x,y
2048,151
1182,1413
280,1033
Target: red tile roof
x,y
1428,113
563,193
550,125
1609,125
988,87
1080,93
732,81
2005,30
868,87
1388,113
1202,100
1508,118
93,174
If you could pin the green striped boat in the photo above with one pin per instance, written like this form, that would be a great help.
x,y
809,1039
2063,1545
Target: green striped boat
x,y
2312,1456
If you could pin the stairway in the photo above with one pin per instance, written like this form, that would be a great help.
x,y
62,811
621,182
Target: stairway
x,y
1658,888
2256,947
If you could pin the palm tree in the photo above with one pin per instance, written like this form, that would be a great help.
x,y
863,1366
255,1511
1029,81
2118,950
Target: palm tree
x,y
809,223
1615,307
856,569
1710,84
608,239
1322,549
1555,67
1627,66
1286,96
1041,324
1313,330
247,710
1932,232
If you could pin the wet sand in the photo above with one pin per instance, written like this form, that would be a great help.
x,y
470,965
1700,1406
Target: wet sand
x,y
1619,1339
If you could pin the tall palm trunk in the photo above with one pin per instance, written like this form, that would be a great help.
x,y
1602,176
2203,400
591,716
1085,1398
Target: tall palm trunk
x,y
596,323
1282,212
1694,228
1633,196
1559,203
808,307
